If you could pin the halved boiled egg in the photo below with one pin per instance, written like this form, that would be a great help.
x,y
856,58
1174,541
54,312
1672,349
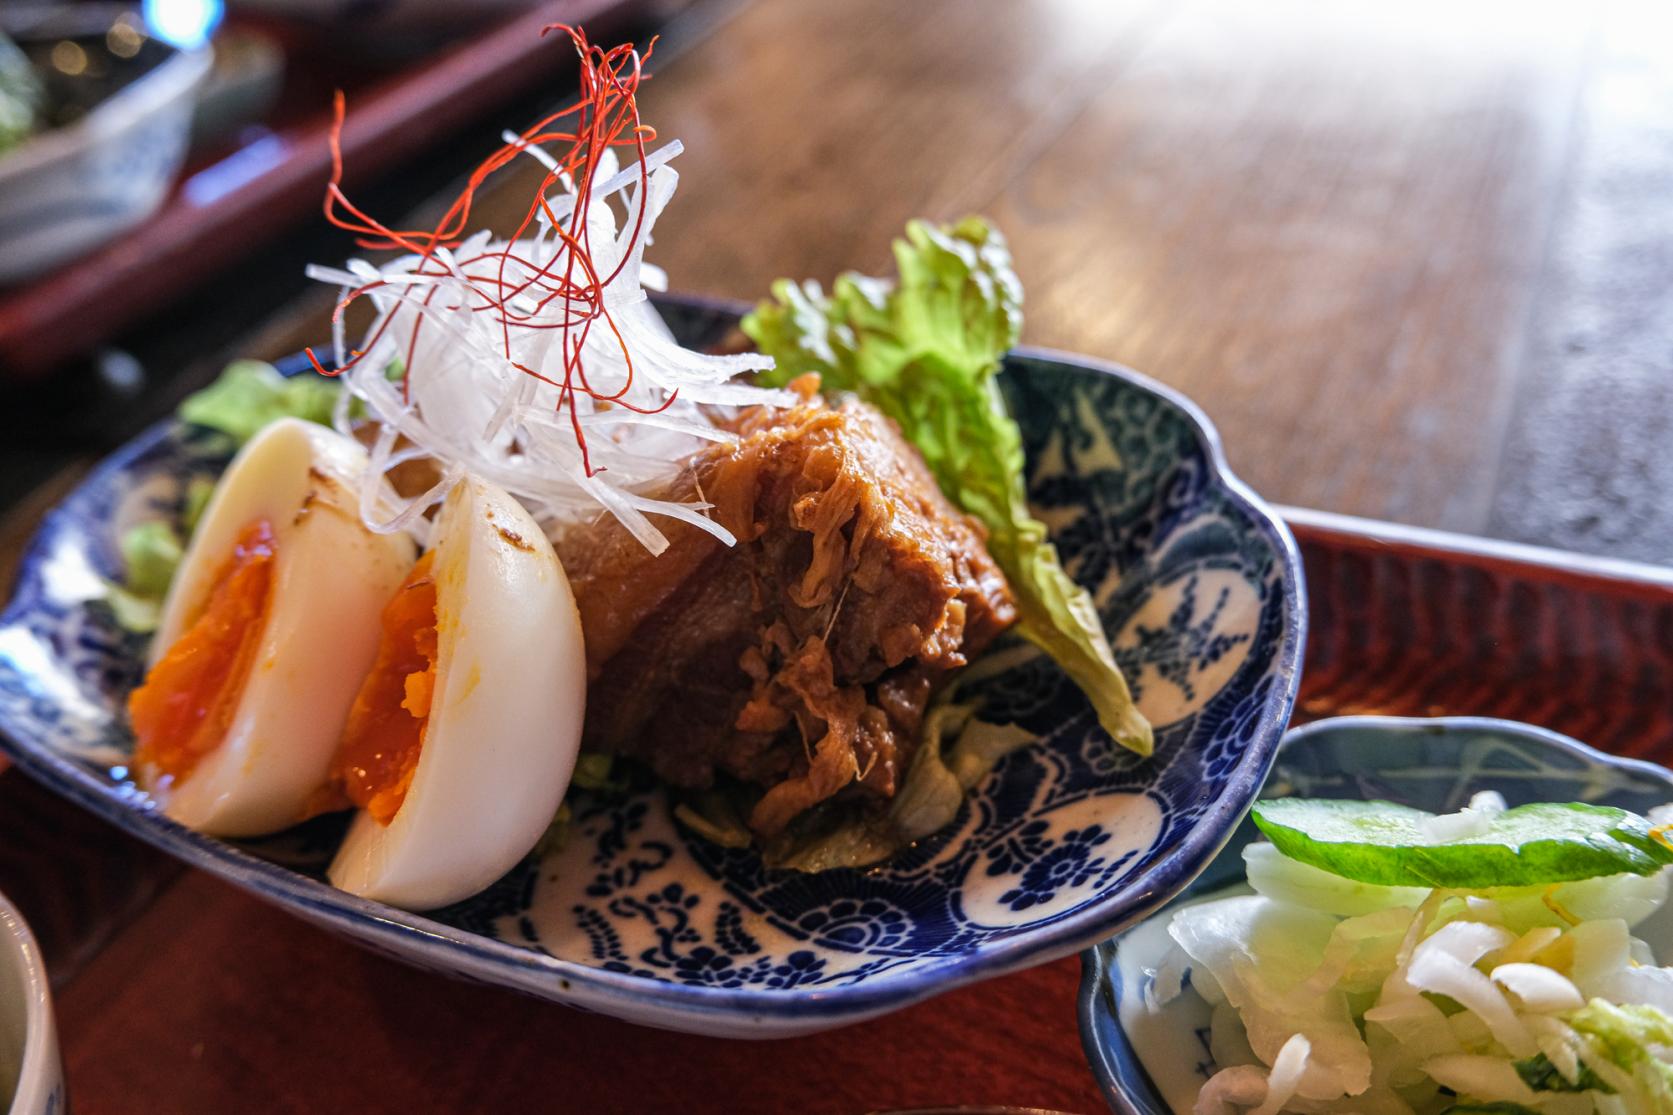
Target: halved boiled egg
x,y
269,627
464,735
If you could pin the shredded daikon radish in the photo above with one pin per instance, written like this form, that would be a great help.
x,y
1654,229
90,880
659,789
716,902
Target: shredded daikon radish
x,y
535,361
469,407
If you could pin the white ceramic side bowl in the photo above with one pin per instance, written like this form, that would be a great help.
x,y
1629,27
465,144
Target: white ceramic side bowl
x,y
1153,1062
31,1075
69,190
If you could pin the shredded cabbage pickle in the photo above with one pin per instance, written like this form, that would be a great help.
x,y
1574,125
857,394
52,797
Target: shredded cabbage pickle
x,y
1336,991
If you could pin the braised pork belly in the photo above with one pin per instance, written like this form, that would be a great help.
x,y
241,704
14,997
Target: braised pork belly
x,y
800,660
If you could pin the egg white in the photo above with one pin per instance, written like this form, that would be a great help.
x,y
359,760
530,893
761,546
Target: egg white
x,y
505,720
331,579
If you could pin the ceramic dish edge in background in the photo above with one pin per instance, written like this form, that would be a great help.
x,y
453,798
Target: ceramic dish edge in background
x,y
39,1083
66,190
1210,616
1381,747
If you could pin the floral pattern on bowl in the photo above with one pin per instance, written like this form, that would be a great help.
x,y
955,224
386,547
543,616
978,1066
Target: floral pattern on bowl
x,y
1068,840
1153,1062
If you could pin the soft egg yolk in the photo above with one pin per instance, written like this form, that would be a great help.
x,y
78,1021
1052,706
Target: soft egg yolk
x,y
185,706
385,732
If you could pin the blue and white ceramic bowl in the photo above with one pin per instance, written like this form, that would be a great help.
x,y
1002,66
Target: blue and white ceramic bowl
x,y
1154,1063
71,189
1067,841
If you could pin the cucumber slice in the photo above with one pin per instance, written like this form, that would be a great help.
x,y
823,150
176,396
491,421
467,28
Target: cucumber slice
x,y
1387,844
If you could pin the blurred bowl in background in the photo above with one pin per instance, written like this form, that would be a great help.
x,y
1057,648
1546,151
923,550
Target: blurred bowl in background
x,y
31,1077
242,87
119,112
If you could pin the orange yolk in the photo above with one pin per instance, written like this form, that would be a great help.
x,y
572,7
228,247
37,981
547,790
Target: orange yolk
x,y
385,731
185,706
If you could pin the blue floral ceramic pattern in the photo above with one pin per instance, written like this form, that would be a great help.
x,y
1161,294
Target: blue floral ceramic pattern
x,y
1431,764
1068,840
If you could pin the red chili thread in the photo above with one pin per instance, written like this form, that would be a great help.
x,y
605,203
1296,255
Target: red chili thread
x,y
606,114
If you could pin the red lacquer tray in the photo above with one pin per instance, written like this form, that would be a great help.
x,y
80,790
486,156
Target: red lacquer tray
x,y
1404,621
1421,623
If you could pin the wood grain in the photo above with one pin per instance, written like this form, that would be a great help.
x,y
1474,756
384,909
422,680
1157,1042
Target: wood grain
x,y
1320,222
213,1002
815,130
1587,464
1326,223
77,881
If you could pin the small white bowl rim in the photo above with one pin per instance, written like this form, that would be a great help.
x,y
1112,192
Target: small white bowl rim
x,y
34,1067
174,78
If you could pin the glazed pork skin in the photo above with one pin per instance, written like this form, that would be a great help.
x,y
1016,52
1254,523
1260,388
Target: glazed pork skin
x,y
801,659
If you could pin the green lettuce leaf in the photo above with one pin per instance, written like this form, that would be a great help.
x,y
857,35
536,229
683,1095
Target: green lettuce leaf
x,y
1637,1039
1386,844
132,612
151,553
249,394
245,397
926,350
198,491
717,815
957,751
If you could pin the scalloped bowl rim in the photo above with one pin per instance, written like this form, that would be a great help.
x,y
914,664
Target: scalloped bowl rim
x,y
409,935
1112,1081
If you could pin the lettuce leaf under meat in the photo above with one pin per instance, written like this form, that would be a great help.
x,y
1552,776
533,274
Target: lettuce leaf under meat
x,y
926,349
957,751
151,553
250,394
246,396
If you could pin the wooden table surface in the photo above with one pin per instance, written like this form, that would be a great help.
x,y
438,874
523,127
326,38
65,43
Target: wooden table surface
x,y
1415,260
